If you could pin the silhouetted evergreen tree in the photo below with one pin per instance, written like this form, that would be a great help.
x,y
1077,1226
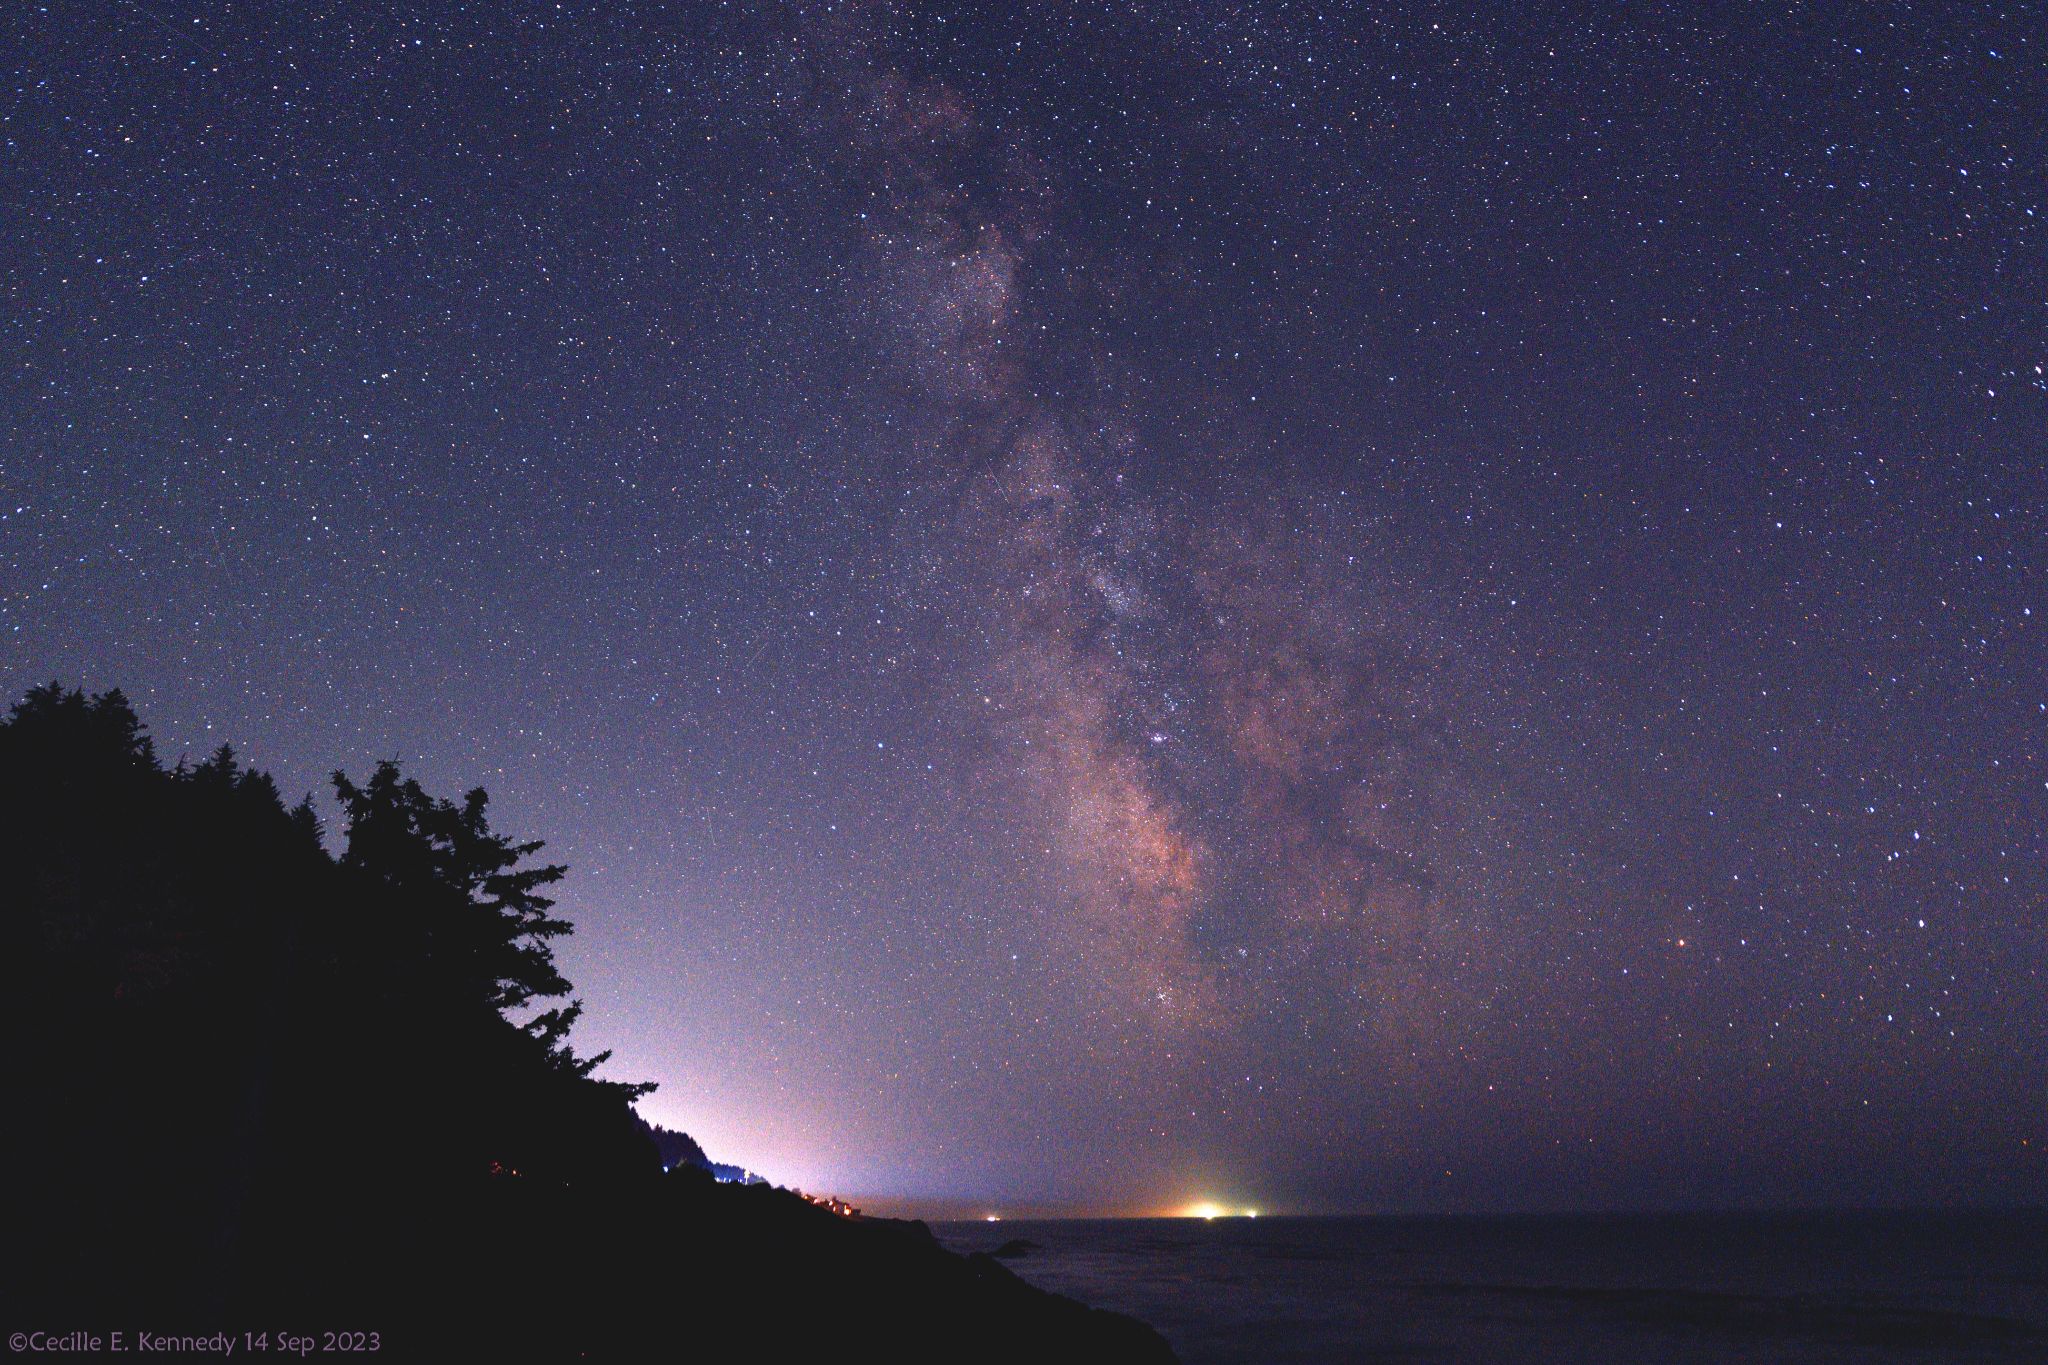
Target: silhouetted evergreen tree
x,y
206,1007
252,1085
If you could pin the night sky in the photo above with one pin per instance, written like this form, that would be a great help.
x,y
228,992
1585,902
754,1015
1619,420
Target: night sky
x,y
1327,608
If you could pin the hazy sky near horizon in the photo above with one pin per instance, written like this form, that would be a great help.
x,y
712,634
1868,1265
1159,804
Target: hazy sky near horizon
x,y
1322,607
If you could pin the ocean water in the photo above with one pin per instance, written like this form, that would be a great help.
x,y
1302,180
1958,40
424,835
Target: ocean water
x,y
1765,1288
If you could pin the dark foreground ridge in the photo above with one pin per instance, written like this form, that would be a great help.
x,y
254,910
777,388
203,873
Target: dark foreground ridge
x,y
259,1089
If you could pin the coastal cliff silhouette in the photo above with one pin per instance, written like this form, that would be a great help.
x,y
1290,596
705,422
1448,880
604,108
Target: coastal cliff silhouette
x,y
255,1085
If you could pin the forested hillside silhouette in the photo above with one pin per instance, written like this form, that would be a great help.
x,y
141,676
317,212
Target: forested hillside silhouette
x,y
254,1083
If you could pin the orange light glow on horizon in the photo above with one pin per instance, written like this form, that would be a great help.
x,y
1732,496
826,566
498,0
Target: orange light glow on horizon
x,y
1208,1210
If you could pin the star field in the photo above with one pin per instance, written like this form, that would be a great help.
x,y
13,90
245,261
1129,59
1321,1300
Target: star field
x,y
1330,607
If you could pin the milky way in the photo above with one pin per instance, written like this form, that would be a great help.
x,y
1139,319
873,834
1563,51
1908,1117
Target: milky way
x,y
1222,740
1331,609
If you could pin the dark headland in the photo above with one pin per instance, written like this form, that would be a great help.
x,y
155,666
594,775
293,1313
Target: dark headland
x,y
258,1088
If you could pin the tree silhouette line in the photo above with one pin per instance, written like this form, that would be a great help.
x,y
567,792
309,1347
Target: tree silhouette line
x,y
254,1083
210,1007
